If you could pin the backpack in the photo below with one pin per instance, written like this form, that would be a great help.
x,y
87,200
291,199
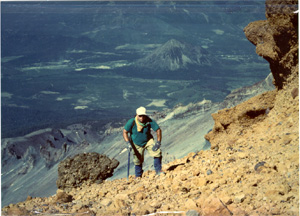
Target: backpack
x,y
133,123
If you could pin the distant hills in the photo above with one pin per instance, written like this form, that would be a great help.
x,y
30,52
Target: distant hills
x,y
175,55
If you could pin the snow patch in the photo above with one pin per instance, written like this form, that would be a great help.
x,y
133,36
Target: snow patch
x,y
186,11
15,105
101,67
10,58
63,98
49,92
202,106
83,101
126,94
80,69
218,31
157,103
6,95
80,107
77,51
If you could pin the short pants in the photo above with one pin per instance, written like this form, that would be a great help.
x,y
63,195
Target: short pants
x,y
139,159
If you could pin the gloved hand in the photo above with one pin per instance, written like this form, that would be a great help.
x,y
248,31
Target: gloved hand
x,y
129,147
156,146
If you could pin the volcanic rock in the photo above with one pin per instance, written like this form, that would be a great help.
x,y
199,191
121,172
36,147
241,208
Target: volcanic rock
x,y
84,168
276,39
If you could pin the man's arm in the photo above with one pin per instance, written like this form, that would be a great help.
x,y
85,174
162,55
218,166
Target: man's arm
x,y
126,138
125,135
158,143
159,135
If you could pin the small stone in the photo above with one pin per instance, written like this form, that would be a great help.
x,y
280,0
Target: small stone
x,y
240,198
259,165
106,202
295,93
190,204
120,203
213,206
185,190
200,182
155,204
140,196
209,172
122,196
15,210
29,198
192,213
63,197
99,181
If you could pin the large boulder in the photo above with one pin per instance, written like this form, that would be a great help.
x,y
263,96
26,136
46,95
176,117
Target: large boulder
x,y
84,168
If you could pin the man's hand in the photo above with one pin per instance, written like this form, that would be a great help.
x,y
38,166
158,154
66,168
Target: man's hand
x,y
129,147
156,146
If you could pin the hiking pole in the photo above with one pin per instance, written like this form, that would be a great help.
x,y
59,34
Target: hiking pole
x,y
128,167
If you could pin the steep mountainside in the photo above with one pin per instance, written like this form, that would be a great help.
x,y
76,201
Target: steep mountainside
x,y
252,167
34,169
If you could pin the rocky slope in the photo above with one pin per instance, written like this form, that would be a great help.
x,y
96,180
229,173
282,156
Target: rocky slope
x,y
252,167
30,163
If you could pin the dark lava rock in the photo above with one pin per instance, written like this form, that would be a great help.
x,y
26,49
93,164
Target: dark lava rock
x,y
84,168
262,163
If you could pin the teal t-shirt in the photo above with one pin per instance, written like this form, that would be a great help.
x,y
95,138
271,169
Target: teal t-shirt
x,y
141,138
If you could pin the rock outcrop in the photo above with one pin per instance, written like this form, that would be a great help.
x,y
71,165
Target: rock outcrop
x,y
85,168
276,39
237,119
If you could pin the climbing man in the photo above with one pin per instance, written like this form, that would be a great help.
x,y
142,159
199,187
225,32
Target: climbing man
x,y
141,139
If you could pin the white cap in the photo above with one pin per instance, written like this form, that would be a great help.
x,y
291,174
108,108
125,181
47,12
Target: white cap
x,y
141,111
